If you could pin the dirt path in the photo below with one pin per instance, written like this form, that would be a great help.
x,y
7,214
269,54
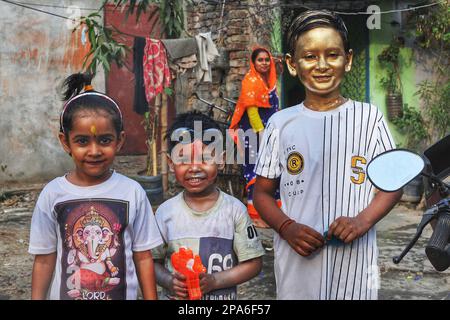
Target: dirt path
x,y
413,278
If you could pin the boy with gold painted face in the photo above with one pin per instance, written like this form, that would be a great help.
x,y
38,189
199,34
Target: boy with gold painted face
x,y
325,245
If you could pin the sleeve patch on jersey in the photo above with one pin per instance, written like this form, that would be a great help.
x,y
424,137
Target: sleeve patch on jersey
x,y
295,163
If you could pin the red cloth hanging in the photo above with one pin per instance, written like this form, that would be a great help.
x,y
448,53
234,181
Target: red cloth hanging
x,y
156,68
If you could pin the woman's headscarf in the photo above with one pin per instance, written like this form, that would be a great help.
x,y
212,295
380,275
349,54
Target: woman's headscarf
x,y
254,91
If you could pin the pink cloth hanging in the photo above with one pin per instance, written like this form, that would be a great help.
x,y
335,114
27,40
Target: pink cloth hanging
x,y
156,68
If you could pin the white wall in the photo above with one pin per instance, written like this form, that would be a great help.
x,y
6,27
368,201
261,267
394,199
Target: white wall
x,y
37,51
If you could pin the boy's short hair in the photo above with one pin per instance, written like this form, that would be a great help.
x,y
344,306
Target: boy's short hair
x,y
314,19
187,120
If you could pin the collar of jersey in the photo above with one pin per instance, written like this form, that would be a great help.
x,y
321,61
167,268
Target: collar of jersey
x,y
203,213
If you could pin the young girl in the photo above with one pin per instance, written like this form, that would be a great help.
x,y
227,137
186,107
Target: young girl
x,y
92,229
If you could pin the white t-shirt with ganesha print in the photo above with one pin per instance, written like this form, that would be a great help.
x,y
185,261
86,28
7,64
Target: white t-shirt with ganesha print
x,y
94,231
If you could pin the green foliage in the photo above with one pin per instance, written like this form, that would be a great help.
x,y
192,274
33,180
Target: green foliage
x,y
172,17
437,107
389,59
353,84
413,126
168,91
430,27
171,13
131,6
431,30
105,48
276,41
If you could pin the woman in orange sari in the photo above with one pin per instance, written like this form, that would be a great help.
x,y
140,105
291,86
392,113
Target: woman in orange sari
x,y
257,102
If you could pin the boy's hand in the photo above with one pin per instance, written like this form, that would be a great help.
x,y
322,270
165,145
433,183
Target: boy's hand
x,y
179,287
303,239
348,229
207,282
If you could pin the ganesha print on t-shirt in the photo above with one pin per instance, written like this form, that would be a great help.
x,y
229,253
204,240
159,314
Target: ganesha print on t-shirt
x,y
93,260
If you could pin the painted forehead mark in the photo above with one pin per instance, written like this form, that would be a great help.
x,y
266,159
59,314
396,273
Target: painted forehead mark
x,y
94,130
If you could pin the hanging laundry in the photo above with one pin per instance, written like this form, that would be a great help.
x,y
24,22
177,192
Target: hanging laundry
x,y
180,66
207,52
156,69
179,48
182,55
140,104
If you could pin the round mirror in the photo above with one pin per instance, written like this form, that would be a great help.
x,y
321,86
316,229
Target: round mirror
x,y
393,169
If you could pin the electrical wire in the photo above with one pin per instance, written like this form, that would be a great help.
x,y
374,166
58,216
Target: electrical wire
x,y
53,6
285,5
38,10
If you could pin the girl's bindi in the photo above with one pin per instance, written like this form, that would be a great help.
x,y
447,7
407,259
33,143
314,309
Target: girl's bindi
x,y
94,130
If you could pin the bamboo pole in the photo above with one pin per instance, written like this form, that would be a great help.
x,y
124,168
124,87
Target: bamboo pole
x,y
164,122
155,125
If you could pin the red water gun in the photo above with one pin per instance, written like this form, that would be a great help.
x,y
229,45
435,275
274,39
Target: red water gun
x,y
190,266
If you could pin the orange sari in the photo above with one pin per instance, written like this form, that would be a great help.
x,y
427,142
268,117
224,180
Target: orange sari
x,y
254,91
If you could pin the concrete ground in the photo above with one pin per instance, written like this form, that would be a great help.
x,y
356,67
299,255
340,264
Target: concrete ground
x,y
413,278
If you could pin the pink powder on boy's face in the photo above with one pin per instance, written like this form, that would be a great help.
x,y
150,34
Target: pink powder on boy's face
x,y
196,176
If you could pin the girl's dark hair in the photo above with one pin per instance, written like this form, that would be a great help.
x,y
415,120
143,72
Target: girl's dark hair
x,y
258,51
187,120
72,87
313,19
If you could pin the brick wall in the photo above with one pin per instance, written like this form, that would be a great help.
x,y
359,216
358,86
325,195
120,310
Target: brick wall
x,y
243,25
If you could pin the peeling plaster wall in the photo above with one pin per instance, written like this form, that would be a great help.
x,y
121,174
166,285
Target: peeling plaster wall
x,y
37,51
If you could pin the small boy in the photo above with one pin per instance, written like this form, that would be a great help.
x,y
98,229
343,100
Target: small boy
x,y
317,151
211,223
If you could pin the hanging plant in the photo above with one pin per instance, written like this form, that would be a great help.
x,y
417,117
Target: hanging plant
x,y
389,59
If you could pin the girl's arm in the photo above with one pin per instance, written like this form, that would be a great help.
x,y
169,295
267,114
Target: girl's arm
x,y
174,283
43,267
243,272
146,274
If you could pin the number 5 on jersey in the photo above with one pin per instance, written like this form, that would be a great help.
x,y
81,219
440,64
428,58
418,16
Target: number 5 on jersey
x,y
359,173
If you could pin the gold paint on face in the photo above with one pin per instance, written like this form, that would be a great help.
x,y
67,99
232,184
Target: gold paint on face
x,y
320,62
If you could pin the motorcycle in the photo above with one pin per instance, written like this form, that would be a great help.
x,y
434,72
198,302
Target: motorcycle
x,y
392,170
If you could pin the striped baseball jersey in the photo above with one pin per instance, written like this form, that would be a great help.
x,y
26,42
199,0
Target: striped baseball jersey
x,y
320,159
